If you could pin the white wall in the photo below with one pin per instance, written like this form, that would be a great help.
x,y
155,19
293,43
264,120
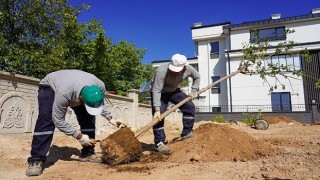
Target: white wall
x,y
207,33
252,90
204,70
304,31
238,37
212,66
307,31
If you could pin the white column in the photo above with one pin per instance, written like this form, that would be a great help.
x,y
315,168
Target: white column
x,y
134,94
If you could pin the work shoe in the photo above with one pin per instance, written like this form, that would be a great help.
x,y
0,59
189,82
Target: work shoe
x,y
94,158
35,168
188,135
161,147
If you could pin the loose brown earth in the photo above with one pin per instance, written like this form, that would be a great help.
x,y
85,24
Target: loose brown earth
x,y
286,150
121,147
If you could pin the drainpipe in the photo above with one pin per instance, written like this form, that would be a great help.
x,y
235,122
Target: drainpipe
x,y
229,69
208,49
229,82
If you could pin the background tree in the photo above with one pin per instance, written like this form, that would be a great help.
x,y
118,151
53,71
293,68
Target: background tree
x,y
124,67
38,37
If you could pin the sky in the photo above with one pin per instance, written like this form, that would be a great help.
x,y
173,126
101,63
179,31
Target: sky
x,y
163,27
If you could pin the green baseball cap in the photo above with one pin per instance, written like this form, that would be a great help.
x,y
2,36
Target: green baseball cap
x,y
93,98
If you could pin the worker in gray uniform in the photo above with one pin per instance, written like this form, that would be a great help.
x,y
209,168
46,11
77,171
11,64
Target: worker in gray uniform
x,y
165,89
81,91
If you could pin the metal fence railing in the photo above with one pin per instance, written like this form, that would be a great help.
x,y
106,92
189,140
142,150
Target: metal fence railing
x,y
254,108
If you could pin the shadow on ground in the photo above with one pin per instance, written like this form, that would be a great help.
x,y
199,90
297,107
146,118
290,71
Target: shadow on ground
x,y
61,153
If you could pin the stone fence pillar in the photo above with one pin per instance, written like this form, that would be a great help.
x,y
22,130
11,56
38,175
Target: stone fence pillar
x,y
315,112
134,95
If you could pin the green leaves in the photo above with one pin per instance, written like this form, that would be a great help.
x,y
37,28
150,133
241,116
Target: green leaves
x,y
125,70
318,83
38,37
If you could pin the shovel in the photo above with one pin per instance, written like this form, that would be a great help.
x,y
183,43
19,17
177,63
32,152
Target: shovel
x,y
123,146
154,121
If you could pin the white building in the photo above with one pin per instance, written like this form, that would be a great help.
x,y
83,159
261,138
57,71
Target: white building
x,y
219,52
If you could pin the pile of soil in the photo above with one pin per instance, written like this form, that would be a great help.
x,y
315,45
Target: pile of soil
x,y
299,157
277,119
219,142
120,147
212,142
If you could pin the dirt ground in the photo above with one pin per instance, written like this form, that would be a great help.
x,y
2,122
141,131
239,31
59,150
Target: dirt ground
x,y
286,150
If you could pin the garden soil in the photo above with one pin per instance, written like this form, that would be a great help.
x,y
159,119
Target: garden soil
x,y
286,150
121,147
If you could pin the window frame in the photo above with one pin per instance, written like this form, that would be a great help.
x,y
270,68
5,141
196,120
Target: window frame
x,y
215,49
196,44
217,88
282,105
279,34
216,109
291,60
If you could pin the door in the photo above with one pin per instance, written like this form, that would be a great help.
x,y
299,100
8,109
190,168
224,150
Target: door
x,y
281,101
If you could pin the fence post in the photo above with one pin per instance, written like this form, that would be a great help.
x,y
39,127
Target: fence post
x,y
315,112
134,94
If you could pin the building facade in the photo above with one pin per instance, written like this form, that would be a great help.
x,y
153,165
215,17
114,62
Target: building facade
x,y
218,52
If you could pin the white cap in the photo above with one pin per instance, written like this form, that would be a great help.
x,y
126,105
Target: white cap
x,y
177,62
94,111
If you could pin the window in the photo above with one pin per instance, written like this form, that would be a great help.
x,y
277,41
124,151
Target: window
x,y
271,34
281,101
216,109
214,48
215,89
292,61
195,66
196,45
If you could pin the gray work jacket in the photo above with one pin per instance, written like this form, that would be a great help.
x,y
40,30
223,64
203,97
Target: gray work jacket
x,y
67,85
163,81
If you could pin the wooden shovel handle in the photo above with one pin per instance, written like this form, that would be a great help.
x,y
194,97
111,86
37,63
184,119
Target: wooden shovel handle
x,y
154,121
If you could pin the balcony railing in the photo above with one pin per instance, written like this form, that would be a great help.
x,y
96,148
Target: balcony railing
x,y
253,108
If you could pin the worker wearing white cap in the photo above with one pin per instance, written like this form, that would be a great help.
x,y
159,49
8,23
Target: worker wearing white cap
x,y
165,89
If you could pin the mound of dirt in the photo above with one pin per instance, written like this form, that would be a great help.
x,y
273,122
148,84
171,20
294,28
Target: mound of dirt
x,y
219,142
298,159
120,147
277,119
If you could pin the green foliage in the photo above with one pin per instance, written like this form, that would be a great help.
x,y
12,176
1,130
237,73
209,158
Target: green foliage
x,y
39,37
318,83
250,118
143,97
125,71
184,83
219,119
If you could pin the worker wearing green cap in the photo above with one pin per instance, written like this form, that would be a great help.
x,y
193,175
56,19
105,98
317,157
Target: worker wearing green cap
x,y
79,90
